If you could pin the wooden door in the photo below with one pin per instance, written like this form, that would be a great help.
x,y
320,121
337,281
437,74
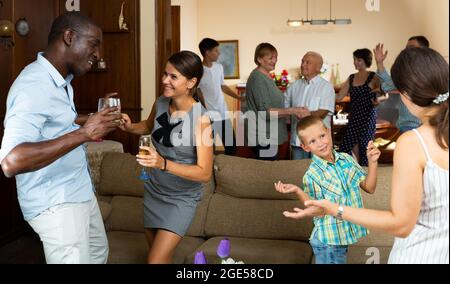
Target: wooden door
x,y
121,52
164,47
40,15
176,28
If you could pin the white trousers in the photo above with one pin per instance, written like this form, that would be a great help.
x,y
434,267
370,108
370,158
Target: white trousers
x,y
73,233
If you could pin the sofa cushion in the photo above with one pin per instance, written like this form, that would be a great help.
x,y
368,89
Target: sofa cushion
x,y
380,200
127,214
127,248
187,246
197,228
105,209
255,251
246,178
119,176
252,218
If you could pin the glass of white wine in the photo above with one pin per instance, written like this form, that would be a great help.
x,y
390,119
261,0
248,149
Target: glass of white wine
x,y
144,141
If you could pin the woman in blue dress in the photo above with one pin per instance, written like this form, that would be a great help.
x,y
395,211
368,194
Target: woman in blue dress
x,y
362,88
182,159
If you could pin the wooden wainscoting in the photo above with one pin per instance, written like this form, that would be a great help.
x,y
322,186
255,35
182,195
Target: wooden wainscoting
x,y
40,15
121,53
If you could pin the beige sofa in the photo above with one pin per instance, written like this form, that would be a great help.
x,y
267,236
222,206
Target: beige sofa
x,y
240,204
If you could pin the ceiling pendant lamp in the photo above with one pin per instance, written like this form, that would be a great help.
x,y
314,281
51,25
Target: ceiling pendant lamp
x,y
295,23
317,22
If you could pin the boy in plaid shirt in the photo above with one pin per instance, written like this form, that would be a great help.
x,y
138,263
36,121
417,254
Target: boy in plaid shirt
x,y
336,177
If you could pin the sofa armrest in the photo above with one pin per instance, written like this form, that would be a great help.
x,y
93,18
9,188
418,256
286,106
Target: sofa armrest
x,y
95,152
105,209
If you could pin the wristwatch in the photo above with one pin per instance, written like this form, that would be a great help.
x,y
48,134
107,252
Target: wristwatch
x,y
340,212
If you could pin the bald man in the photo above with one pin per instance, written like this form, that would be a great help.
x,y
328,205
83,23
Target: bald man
x,y
312,93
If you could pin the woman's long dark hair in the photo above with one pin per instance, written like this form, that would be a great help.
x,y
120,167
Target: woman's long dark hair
x,y
190,66
422,73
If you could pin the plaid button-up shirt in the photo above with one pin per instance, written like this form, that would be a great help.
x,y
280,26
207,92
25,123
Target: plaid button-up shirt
x,y
340,184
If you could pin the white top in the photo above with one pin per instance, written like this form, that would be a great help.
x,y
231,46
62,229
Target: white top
x,y
211,87
429,241
317,94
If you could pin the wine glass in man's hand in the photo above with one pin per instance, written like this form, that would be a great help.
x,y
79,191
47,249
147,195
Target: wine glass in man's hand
x,y
110,102
102,123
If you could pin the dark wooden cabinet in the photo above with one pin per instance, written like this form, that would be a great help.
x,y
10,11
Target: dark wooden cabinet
x,y
40,15
121,53
106,13
12,224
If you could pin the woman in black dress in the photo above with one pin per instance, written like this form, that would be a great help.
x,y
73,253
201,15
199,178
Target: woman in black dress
x,y
362,88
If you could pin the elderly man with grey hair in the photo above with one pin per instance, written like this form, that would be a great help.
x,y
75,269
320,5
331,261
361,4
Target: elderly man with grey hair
x,y
312,93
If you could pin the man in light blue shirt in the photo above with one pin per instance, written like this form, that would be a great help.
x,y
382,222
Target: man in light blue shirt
x,y
43,145
406,120
312,93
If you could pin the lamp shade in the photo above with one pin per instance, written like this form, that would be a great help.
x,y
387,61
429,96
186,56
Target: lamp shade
x,y
295,23
342,21
319,22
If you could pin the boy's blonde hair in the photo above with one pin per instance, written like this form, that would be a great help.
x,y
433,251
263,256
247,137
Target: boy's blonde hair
x,y
307,122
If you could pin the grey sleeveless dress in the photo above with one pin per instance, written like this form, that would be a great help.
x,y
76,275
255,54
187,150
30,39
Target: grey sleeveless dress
x,y
170,201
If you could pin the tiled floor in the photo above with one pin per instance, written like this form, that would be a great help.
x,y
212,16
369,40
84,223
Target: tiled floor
x,y
25,250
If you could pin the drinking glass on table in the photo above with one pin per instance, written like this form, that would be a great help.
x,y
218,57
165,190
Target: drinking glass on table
x,y
144,141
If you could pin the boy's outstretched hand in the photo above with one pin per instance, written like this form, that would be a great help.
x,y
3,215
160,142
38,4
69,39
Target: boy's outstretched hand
x,y
373,153
286,188
299,213
324,206
308,212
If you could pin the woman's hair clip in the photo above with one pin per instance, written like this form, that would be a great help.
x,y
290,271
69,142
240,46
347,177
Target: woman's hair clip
x,y
441,99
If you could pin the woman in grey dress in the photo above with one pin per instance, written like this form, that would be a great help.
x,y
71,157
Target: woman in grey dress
x,y
182,159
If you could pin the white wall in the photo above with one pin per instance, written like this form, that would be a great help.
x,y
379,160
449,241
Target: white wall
x,y
437,25
254,21
148,45
433,17
265,20
189,21
148,59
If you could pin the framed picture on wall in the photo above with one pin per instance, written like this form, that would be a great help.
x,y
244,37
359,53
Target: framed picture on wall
x,y
229,58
